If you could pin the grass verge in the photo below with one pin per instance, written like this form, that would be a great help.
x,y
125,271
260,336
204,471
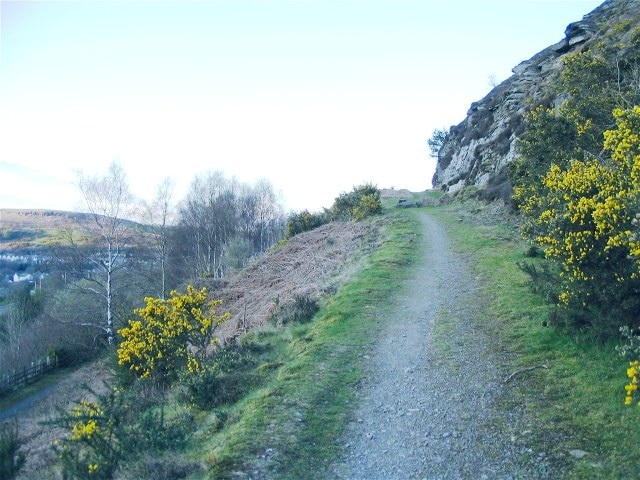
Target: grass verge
x,y
577,404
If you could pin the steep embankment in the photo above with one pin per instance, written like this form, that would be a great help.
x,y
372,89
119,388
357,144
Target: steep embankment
x,y
313,264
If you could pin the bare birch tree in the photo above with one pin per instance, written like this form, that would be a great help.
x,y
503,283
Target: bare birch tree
x,y
159,216
223,223
102,250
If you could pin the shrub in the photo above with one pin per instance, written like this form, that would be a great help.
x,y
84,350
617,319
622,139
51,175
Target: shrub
x,y
304,222
301,309
165,467
11,458
631,352
533,251
358,204
170,334
368,205
361,202
584,223
153,432
224,380
112,430
498,188
92,449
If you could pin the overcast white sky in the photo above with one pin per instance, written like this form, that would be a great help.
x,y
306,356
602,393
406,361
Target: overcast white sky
x,y
316,96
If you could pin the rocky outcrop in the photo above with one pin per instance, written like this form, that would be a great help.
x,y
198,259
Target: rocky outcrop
x,y
476,151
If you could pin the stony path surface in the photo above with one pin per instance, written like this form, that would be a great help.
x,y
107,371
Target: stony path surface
x,y
428,407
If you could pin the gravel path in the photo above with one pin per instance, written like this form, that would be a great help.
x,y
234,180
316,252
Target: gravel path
x,y
428,406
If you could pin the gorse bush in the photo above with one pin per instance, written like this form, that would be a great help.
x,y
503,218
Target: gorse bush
x,y
112,430
361,202
11,458
224,379
304,222
543,280
369,204
213,386
631,352
584,223
170,334
93,448
580,196
152,432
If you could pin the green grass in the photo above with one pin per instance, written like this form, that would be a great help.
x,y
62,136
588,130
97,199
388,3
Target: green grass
x,y
302,377
578,402
291,423
298,388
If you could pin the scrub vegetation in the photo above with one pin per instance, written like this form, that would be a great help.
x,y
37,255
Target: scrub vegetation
x,y
273,402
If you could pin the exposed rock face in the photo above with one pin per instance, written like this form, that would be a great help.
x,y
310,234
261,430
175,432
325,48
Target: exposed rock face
x,y
476,150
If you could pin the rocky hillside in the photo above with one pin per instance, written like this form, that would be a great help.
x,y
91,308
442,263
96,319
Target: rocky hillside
x,y
476,151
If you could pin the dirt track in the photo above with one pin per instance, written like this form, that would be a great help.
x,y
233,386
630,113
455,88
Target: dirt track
x,y
428,408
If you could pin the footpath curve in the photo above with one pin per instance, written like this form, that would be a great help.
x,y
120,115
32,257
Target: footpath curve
x,y
429,406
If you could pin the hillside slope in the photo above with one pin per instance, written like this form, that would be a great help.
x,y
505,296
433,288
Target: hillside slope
x,y
312,264
34,230
431,361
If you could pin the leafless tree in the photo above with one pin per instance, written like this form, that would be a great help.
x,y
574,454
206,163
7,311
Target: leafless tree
x,y
223,223
208,218
159,217
98,249
24,306
269,215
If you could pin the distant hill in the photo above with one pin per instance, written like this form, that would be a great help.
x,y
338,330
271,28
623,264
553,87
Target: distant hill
x,y
32,229
26,218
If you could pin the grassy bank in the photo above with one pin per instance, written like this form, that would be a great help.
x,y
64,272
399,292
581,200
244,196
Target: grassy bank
x,y
286,390
577,403
290,424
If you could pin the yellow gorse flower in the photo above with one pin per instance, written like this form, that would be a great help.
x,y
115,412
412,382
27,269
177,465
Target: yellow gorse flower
x,y
170,334
632,386
588,208
86,425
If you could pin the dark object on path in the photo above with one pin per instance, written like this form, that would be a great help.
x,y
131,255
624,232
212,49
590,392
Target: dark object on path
x,y
402,203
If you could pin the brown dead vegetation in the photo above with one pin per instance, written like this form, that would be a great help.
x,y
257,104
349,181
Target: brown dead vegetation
x,y
312,264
